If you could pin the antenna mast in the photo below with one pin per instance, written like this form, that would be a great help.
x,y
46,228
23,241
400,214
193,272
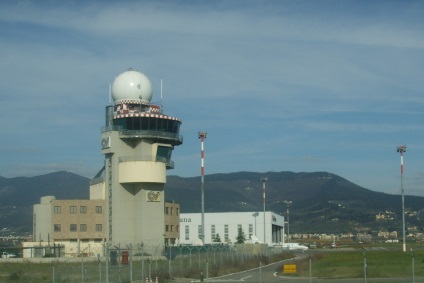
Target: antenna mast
x,y
161,98
401,149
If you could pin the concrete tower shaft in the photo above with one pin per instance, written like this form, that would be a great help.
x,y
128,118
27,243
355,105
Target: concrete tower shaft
x,y
137,142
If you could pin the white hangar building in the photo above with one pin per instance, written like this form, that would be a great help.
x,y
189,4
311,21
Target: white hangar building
x,y
226,224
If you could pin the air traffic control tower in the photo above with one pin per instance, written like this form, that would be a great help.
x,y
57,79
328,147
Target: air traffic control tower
x,y
137,142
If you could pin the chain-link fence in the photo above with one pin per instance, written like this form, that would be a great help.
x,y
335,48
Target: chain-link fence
x,y
260,263
138,264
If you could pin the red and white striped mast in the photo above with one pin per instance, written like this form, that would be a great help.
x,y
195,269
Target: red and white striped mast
x,y
202,137
401,149
264,180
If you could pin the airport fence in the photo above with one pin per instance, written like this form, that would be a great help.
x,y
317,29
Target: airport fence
x,y
158,263
220,263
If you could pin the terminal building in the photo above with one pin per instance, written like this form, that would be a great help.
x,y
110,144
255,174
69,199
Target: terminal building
x,y
268,229
127,197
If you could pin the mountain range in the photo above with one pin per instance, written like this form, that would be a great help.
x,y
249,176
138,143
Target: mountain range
x,y
321,202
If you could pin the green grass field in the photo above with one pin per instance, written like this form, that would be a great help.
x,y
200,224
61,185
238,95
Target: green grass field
x,y
350,264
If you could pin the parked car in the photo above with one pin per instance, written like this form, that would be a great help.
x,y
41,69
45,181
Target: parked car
x,y
7,255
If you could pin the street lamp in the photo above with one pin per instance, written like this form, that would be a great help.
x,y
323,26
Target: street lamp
x,y
288,203
264,180
401,149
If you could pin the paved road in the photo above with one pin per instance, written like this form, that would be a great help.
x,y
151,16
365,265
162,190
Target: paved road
x,y
263,274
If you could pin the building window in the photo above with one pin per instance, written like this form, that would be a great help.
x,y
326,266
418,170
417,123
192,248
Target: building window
x,y
57,227
199,231
226,232
98,209
172,228
83,227
166,228
250,231
172,210
83,209
57,210
187,232
166,210
73,228
98,227
213,235
73,209
178,211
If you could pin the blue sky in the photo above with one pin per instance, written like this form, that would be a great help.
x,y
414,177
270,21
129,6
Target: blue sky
x,y
298,86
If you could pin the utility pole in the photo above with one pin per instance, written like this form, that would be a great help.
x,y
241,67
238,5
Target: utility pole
x,y
264,180
288,203
202,136
401,149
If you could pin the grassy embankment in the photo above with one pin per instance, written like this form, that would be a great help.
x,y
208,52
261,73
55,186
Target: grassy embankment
x,y
350,264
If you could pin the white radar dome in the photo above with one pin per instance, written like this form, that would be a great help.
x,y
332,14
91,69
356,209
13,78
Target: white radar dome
x,y
132,84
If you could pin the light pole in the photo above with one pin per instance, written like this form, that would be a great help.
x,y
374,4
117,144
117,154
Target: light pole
x,y
264,180
202,136
401,149
288,203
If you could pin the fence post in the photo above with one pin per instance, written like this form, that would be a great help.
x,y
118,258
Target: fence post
x,y
207,270
260,272
107,262
142,261
131,263
53,273
100,267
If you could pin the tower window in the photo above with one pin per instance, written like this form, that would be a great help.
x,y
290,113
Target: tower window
x,y
98,209
57,227
164,153
83,209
